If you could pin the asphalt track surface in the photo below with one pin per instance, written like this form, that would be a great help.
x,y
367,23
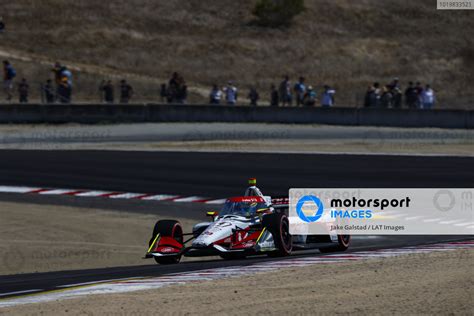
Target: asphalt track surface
x,y
221,175
217,175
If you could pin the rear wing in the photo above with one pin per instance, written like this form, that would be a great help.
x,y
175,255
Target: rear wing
x,y
281,203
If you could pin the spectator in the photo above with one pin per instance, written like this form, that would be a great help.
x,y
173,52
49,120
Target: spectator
x,y
66,73
64,91
386,98
23,88
63,79
397,98
101,91
370,97
394,84
378,94
175,87
216,95
48,92
9,73
419,93
285,92
253,96
57,73
2,26
310,97
411,96
428,97
108,89
300,91
274,98
164,93
367,97
169,96
327,98
182,95
126,91
231,93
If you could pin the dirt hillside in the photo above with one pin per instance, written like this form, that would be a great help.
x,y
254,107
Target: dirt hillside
x,y
343,43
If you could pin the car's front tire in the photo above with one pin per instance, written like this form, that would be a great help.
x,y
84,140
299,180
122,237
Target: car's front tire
x,y
168,228
279,226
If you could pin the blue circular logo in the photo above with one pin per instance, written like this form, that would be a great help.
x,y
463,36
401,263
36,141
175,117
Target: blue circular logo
x,y
306,199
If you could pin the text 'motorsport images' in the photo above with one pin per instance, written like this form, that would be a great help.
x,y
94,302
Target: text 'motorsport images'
x,y
273,157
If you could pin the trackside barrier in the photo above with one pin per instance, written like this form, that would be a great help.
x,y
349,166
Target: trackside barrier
x,y
100,113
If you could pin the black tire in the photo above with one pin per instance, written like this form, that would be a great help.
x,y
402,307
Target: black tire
x,y
279,226
343,242
168,228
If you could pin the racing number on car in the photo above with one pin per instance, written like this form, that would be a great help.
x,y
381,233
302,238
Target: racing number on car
x,y
241,235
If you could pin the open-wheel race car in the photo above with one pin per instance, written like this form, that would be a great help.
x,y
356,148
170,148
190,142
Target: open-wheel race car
x,y
246,225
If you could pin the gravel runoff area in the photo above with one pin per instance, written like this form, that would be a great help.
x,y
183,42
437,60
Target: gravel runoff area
x,y
76,238
433,283
240,137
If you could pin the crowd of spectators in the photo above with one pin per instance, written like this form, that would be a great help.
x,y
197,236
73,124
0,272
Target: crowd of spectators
x,y
107,91
302,93
175,91
391,96
286,94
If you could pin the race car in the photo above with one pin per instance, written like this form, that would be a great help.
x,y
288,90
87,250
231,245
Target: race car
x,y
246,225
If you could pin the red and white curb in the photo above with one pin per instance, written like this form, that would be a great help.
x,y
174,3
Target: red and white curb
x,y
111,194
150,283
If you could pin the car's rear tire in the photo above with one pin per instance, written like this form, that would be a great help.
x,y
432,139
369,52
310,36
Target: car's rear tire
x,y
168,228
343,242
279,226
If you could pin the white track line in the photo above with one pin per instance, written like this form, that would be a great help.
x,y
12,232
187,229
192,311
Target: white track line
x,y
9,189
57,192
20,292
189,199
159,197
94,193
126,195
